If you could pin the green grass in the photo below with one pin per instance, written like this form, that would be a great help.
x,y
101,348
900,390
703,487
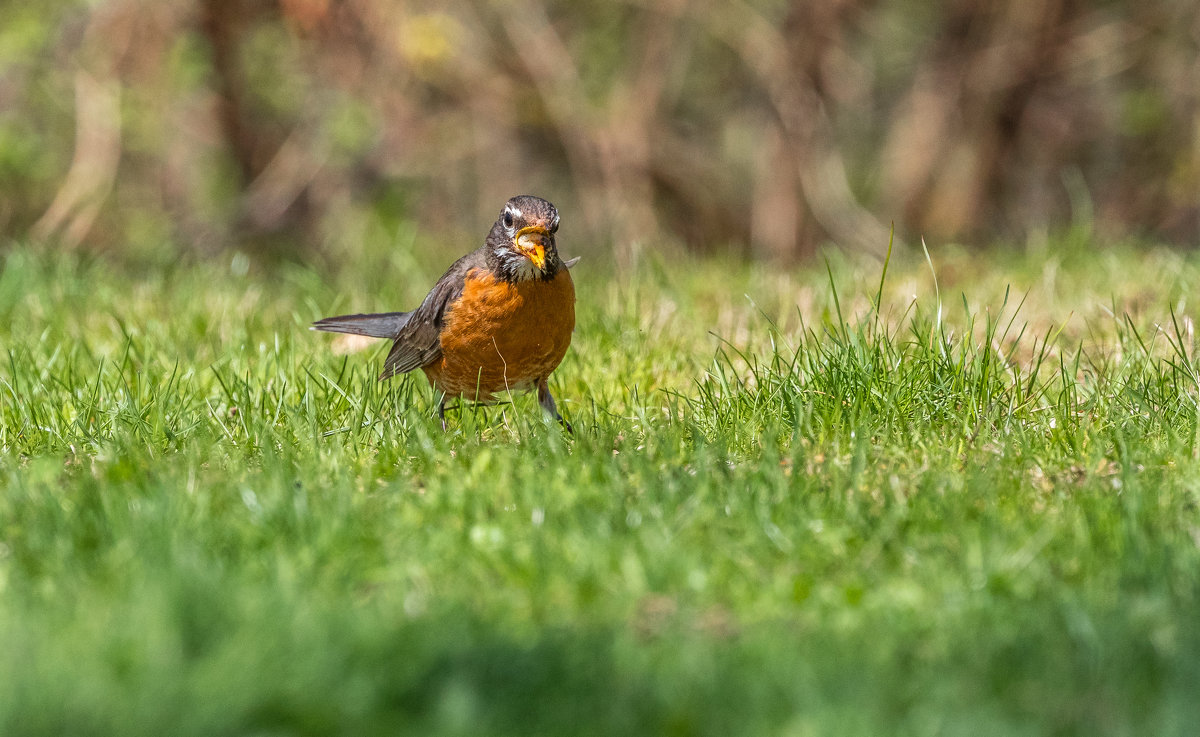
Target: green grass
x,y
784,511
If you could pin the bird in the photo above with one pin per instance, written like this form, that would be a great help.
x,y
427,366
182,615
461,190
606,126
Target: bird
x,y
499,320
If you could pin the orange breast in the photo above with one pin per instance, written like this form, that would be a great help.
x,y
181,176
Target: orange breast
x,y
504,337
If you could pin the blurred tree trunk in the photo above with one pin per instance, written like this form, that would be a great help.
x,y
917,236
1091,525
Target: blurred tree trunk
x,y
276,209
990,122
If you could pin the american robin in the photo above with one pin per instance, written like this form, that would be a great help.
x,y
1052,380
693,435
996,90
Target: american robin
x,y
499,320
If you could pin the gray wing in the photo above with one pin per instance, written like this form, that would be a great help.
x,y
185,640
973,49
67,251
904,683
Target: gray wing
x,y
419,342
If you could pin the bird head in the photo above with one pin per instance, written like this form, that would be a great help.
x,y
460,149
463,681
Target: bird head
x,y
522,240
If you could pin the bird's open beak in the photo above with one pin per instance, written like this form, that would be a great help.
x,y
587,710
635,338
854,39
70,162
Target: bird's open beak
x,y
532,241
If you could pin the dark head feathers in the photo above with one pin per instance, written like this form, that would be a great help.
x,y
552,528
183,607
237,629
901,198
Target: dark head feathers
x,y
522,213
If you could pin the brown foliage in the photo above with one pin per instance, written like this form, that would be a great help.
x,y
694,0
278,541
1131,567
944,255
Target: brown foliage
x,y
772,127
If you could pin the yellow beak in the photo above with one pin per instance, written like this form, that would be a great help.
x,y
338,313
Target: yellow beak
x,y
532,241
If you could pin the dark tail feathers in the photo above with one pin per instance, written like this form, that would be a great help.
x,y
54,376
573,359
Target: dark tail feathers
x,y
381,325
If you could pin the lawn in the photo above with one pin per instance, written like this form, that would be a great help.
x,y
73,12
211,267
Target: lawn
x,y
814,501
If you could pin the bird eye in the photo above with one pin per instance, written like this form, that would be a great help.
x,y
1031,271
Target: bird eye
x,y
508,219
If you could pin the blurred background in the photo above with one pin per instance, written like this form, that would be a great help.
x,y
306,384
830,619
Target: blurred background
x,y
160,129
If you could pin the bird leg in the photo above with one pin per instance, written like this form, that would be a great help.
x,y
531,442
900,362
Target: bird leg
x,y
547,401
